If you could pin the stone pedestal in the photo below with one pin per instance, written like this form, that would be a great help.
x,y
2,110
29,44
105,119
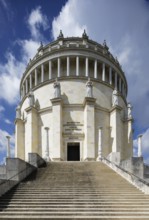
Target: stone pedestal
x,y
116,126
89,128
32,133
140,145
57,128
19,139
130,137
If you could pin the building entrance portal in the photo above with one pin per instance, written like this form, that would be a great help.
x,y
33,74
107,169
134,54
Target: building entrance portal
x,y
73,152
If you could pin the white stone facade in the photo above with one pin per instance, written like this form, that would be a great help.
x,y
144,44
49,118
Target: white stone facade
x,y
73,114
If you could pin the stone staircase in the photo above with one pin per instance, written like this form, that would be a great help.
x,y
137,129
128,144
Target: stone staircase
x,y
74,190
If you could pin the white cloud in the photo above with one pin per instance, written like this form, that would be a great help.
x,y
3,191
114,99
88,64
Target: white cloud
x,y
7,121
36,21
10,75
28,48
68,21
12,70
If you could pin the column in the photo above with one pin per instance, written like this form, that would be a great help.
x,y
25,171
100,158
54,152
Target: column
x,y
8,146
30,81
123,88
77,66
120,84
58,67
26,85
36,77
68,66
23,90
95,69
50,69
103,72
42,73
115,80
140,145
86,67
99,144
110,75
47,144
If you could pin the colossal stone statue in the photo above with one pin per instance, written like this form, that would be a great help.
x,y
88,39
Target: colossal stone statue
x,y
129,109
89,89
57,89
31,99
18,112
115,98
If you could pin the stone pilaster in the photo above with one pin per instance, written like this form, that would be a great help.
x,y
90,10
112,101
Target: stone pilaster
x,y
89,128
19,139
31,131
116,132
57,128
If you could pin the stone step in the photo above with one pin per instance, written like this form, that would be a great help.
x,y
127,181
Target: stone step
x,y
76,209
58,202
23,217
75,213
75,191
76,205
69,197
76,200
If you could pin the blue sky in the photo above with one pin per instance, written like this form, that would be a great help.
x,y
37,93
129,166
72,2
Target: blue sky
x,y
124,25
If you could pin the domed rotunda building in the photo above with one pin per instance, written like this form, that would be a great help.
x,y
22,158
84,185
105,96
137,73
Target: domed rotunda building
x,y
73,104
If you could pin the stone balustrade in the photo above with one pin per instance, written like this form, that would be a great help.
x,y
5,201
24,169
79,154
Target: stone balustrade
x,y
56,61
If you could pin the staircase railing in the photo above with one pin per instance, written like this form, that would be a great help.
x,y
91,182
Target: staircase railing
x,y
7,184
132,178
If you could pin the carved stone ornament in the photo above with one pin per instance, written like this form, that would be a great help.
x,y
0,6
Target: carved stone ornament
x,y
60,35
84,35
